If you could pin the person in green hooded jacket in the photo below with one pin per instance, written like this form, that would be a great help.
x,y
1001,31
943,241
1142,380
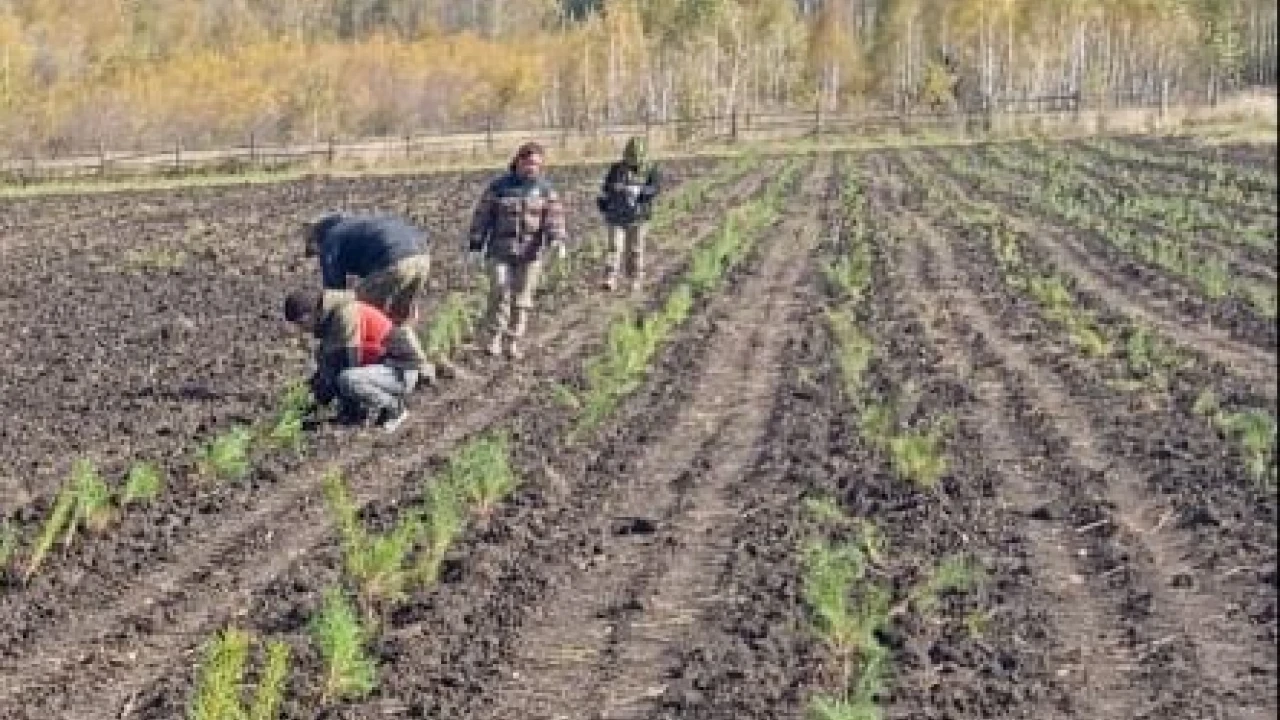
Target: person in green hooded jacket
x,y
626,201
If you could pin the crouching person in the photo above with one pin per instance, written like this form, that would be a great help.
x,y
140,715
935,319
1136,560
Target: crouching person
x,y
363,359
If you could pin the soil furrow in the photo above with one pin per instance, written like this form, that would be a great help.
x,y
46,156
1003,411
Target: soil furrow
x,y
605,649
1175,611
1094,276
270,552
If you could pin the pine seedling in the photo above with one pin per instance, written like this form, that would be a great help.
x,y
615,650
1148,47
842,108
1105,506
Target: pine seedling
x,y
8,545
827,708
93,500
1255,431
918,457
221,677
60,516
349,671
443,522
227,456
483,469
381,565
954,573
829,573
142,485
270,696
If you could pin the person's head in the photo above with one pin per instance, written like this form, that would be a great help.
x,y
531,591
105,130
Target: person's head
x,y
313,231
302,306
528,160
634,153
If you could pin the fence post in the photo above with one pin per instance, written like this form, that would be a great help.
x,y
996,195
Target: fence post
x,y
332,149
177,155
408,147
102,159
733,125
253,150
1164,98
817,116
488,133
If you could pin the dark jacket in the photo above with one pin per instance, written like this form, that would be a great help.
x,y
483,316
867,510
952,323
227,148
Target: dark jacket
x,y
621,208
516,218
360,245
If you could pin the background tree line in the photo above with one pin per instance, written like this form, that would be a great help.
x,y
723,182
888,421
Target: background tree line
x,y
125,73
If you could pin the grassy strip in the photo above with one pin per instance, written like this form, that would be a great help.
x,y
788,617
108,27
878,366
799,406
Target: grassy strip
x,y
1150,360
633,339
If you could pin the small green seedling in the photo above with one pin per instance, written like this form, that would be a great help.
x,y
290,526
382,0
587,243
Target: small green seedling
x,y
142,485
270,696
94,511
444,520
953,574
826,708
226,456
221,677
8,545
483,469
60,516
349,672
379,563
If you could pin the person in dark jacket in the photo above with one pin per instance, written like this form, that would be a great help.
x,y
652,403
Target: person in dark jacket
x,y
387,254
626,200
363,359
519,217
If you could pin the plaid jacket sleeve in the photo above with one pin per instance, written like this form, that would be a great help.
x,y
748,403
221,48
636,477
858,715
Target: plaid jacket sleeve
x,y
553,220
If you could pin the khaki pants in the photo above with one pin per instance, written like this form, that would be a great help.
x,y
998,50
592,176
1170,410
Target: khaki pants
x,y
511,289
626,250
395,290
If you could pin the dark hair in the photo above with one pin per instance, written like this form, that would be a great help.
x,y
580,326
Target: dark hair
x,y
530,148
318,227
300,304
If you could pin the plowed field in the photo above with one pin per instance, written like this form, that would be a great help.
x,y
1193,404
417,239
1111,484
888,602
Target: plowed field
x,y
967,433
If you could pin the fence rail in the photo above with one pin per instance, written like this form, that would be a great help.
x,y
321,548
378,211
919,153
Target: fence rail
x,y
584,141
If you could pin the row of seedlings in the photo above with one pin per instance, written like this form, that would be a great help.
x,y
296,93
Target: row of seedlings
x,y
847,581
380,570
1066,195
635,337
1149,361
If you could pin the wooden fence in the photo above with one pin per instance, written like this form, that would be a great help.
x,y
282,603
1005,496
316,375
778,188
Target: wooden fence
x,y
493,142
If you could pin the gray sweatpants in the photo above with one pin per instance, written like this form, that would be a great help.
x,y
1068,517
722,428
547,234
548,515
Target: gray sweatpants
x,y
376,387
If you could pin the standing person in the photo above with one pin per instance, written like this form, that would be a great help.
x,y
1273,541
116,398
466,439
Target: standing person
x,y
518,217
363,359
388,254
626,200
